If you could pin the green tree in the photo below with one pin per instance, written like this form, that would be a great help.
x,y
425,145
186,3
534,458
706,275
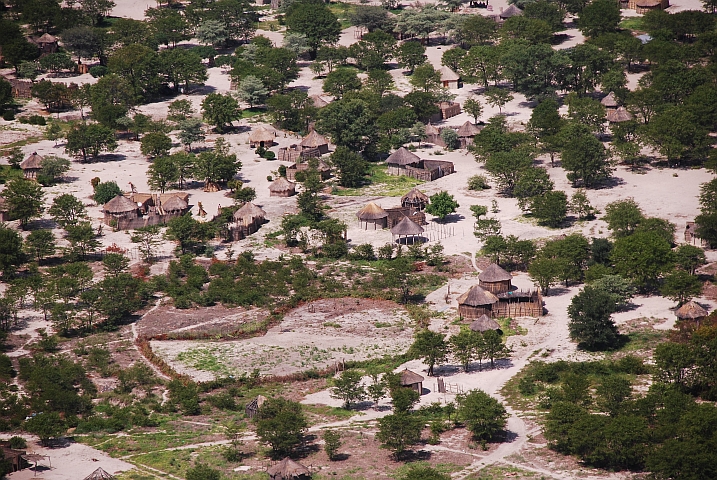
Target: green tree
x,y
220,110
442,204
24,199
53,95
155,144
474,108
148,239
40,244
120,296
431,347
450,138
484,416
314,20
182,67
493,347
52,169
424,472
689,258
349,122
584,156
498,97
106,191
190,131
11,254
332,443
252,91
216,166
189,232
545,272
410,55
680,286
550,208
347,387
465,346
281,424
46,425
612,393
90,139
83,41
425,78
340,81
67,209
598,17
590,319
352,167
55,62
399,431
379,81
506,167
642,257
532,182
82,239
623,217
161,173
111,98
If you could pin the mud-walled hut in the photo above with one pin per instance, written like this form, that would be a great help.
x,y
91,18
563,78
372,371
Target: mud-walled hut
x,y
495,279
373,214
475,303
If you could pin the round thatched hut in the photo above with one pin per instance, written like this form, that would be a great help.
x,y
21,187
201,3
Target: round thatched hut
x,y
287,469
511,11
249,214
610,101
433,135
261,137
691,311
281,187
619,115
412,380
120,208
467,130
99,474
475,303
494,279
483,324
407,229
175,205
399,159
449,78
415,198
318,101
31,165
315,140
372,213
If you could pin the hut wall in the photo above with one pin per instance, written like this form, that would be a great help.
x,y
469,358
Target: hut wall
x,y
322,149
239,232
436,140
378,223
416,386
4,216
421,173
495,287
530,306
284,193
127,223
396,214
472,313
289,154
444,167
450,84
691,235
465,142
394,169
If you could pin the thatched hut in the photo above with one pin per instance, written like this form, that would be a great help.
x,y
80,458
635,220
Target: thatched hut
x,y
372,213
466,133
407,229
495,279
609,101
31,166
318,101
644,6
47,43
99,474
433,135
691,311
119,208
415,198
400,159
412,380
619,115
174,205
511,11
475,303
247,220
287,469
4,210
449,78
261,137
281,187
315,140
483,324
252,408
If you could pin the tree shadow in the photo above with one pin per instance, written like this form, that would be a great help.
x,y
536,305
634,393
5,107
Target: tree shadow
x,y
556,291
341,457
409,456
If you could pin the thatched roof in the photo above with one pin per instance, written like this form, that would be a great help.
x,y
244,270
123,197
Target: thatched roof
x,y
318,101
619,115
314,140
32,162
468,130
281,184
409,378
371,211
99,474
119,204
288,468
415,196
483,324
476,297
46,38
448,75
511,11
248,212
690,311
609,101
406,227
648,3
174,204
494,273
261,134
431,130
402,157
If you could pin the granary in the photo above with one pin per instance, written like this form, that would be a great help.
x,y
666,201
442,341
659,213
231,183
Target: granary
x,y
4,210
449,78
412,380
609,101
374,214
466,133
692,311
287,469
31,166
483,324
247,220
644,6
252,408
261,137
407,229
511,11
99,474
119,209
619,115
47,44
494,279
476,302
292,170
281,187
415,199
315,140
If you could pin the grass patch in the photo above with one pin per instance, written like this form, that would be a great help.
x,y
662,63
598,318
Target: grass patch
x,y
510,328
203,358
20,143
330,413
251,112
494,472
342,12
332,324
644,340
7,173
381,183
633,23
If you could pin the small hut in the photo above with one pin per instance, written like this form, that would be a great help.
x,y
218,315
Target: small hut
x,y
408,229
99,474
175,205
261,137
287,469
511,11
466,133
415,198
619,115
247,220
4,210
475,303
609,101
412,380
433,135
372,213
119,208
400,159
315,140
483,324
281,187
318,101
47,44
252,408
449,78
644,6
494,279
31,166
691,311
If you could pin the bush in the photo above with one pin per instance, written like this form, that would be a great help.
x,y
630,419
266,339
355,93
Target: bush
x,y
478,182
269,155
98,71
8,115
18,443
106,191
37,120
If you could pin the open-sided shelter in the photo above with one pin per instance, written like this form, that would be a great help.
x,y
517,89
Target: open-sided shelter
x,y
31,166
288,469
374,214
407,229
495,279
281,187
475,303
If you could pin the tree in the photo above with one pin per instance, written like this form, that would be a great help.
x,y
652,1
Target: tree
x,y
410,55
202,471
379,81
371,18
53,95
351,166
24,199
314,20
464,346
332,443
90,139
162,172
282,424
623,217
111,98
425,78
54,62
580,206
442,204
120,296
10,250
212,32
190,132
598,17
52,169
424,472
155,144
399,431
18,51
252,91
618,287
220,110
180,66
189,232
590,323
474,108
680,286
46,425
340,81
53,132
613,391
347,387
216,166
450,138
83,41
545,272
106,191
532,182
431,347
82,239
498,97
67,209
689,258
506,167
148,239
40,244
349,123
484,416
377,390
493,347
584,156
550,208
642,257
180,110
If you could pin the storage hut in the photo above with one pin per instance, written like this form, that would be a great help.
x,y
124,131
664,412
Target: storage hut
x,y
288,469
247,220
433,135
494,279
415,198
315,140
644,6
47,44
483,324
252,408
691,311
407,229
281,187
412,380
466,133
620,114
119,208
174,205
31,166
400,159
609,101
449,78
372,213
99,474
261,137
475,303
4,210
511,11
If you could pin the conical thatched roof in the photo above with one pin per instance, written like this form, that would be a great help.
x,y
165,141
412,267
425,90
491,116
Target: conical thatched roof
x,y
261,134
619,115
287,469
318,101
314,140
648,3
483,324
476,297
494,273
609,101
99,474
174,204
448,75
371,211
511,11
402,157
248,212
46,38
32,162
468,130
406,227
415,196
409,378
119,204
690,311
431,130
281,184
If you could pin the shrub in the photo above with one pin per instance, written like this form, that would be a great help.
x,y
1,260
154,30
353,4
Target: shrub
x,y
98,71
269,155
18,443
8,115
478,182
37,120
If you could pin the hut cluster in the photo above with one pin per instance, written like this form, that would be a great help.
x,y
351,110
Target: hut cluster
x,y
311,146
616,113
403,162
405,221
466,133
135,210
495,297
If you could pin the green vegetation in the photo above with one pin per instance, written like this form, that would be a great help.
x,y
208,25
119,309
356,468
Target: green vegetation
x,y
381,183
